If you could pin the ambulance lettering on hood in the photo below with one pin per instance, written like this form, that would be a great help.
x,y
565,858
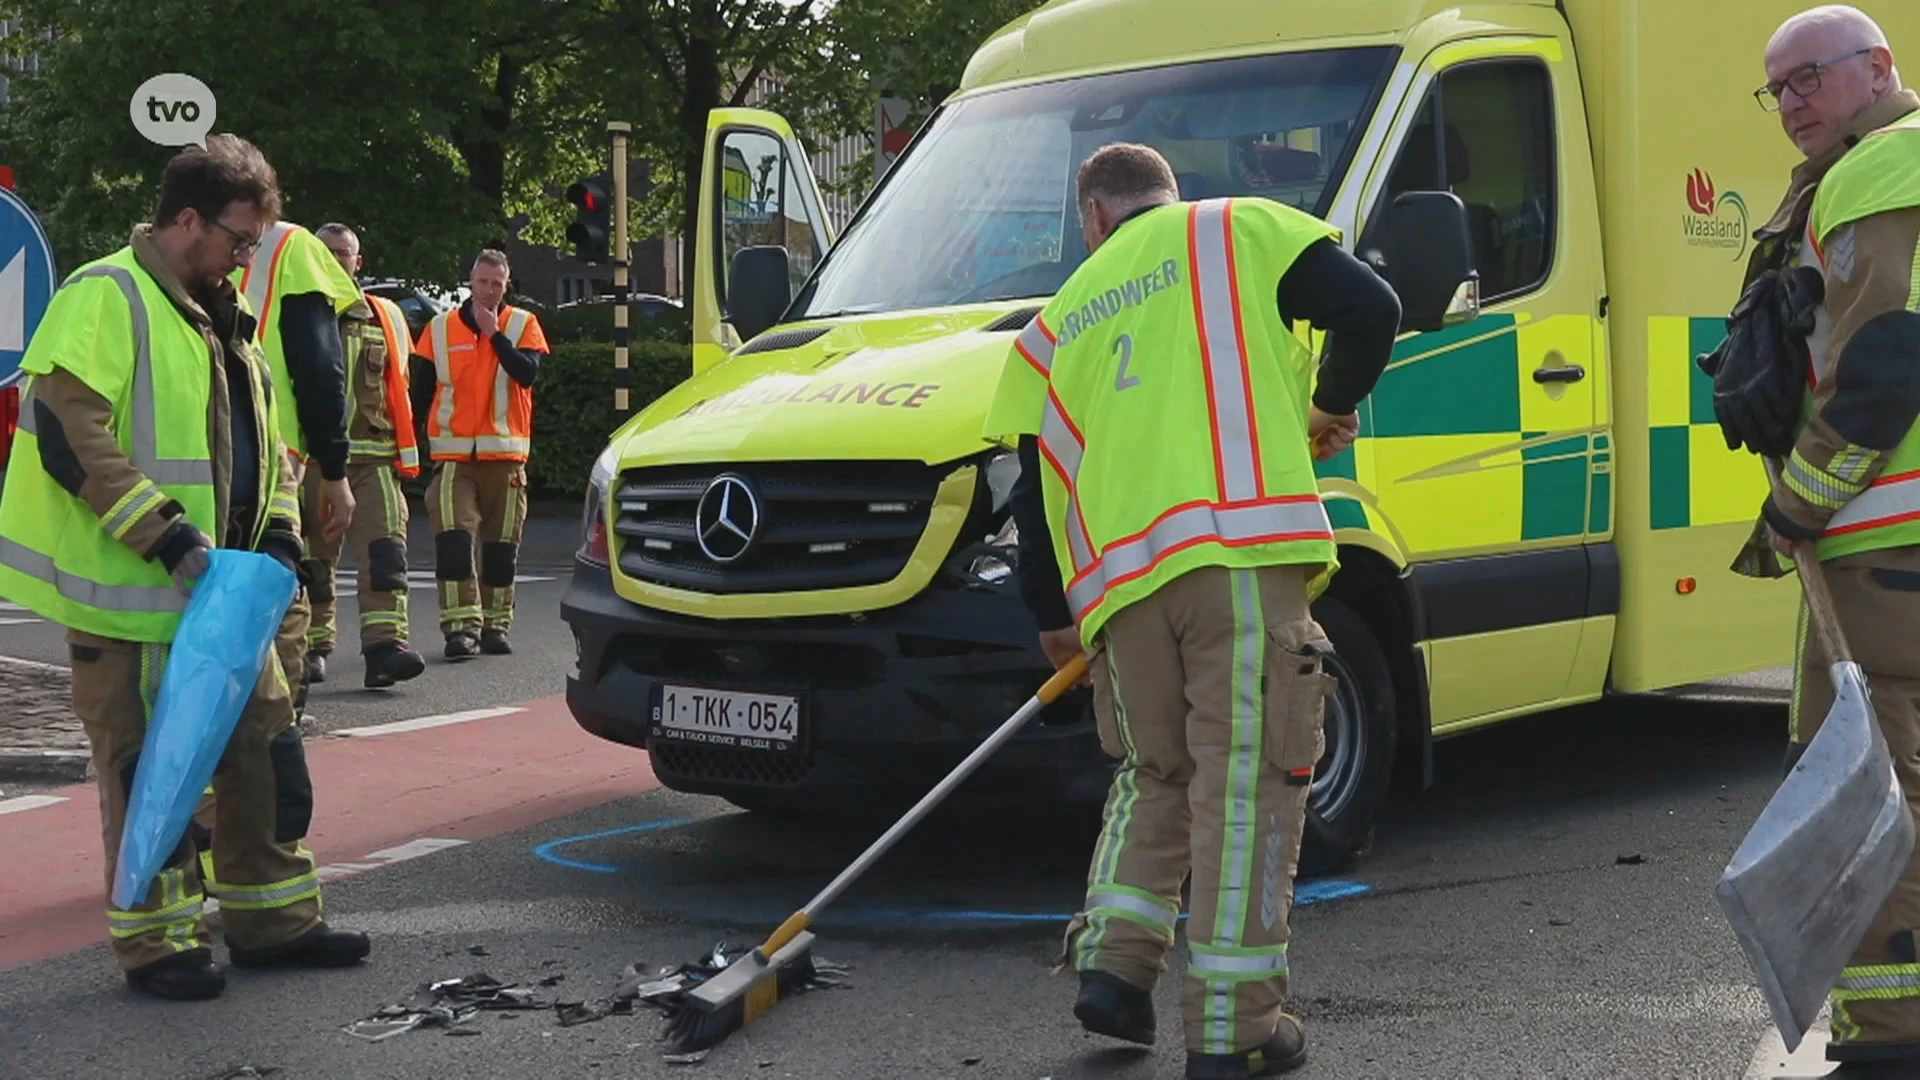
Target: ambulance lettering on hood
x,y
876,394
1714,220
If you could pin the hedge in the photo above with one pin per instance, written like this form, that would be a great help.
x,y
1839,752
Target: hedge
x,y
573,408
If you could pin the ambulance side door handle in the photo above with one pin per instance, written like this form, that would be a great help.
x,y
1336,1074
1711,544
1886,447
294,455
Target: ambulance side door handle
x,y
1564,373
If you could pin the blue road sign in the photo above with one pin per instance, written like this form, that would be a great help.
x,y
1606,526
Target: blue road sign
x,y
26,282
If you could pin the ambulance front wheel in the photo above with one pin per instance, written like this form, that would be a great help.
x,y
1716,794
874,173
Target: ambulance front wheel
x,y
1352,777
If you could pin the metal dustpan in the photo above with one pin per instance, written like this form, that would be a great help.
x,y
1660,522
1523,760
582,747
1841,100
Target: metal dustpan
x,y
1826,852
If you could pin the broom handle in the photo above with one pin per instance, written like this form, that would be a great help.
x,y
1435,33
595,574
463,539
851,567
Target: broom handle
x,y
1043,697
1813,583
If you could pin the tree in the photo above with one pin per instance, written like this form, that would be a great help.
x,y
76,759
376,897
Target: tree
x,y
425,141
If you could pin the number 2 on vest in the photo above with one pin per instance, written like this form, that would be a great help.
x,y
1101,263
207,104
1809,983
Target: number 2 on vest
x,y
1124,347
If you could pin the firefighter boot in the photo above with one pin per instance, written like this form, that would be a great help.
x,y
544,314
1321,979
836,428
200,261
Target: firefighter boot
x,y
493,642
1109,1005
185,976
320,947
390,663
462,646
1285,1052
317,663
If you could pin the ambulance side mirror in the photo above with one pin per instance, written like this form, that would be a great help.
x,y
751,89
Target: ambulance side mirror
x,y
1429,260
758,289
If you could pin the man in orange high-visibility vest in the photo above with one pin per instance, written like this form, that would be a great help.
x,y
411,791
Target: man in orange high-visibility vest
x,y
381,447
485,356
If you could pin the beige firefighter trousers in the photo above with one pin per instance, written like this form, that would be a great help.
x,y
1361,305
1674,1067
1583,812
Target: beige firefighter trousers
x,y
269,892
1211,693
1878,997
477,508
378,537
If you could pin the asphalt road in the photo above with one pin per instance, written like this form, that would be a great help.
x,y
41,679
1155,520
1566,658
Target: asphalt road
x,y
1545,911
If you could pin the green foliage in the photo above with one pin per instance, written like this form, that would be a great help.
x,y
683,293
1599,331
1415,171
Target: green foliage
x,y
573,414
432,130
421,128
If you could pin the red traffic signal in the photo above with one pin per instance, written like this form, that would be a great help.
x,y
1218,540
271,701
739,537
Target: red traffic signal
x,y
591,228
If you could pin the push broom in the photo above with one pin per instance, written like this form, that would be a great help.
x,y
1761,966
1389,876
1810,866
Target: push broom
x,y
783,964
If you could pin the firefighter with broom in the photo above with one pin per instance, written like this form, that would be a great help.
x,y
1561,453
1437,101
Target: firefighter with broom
x,y
1171,526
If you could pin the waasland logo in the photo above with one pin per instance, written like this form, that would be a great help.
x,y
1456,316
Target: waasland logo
x,y
1714,220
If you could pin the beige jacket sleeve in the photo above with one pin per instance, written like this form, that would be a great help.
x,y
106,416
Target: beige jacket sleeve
x,y
1869,397
78,449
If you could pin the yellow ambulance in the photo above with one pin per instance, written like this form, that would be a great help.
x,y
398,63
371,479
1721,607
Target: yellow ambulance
x,y
795,587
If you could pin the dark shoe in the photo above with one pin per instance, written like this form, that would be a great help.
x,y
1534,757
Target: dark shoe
x,y
187,976
1285,1052
320,947
1110,1005
317,664
494,642
461,647
390,664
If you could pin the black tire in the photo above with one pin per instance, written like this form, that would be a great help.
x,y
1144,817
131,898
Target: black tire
x,y
1352,777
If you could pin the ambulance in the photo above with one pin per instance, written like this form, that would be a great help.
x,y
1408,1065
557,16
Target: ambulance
x,y
795,586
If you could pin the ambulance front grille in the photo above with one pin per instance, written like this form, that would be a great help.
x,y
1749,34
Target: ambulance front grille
x,y
821,524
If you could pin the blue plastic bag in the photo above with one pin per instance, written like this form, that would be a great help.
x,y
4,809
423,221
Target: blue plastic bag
x,y
225,637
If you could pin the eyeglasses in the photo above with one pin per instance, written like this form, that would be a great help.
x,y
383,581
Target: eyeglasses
x,y
1804,81
242,246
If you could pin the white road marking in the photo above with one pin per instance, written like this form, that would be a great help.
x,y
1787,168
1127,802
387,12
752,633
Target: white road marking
x,y
1772,1062
412,849
32,665
347,582
29,802
425,722
19,622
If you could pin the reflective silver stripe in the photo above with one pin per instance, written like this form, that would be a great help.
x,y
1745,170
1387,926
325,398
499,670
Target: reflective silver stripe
x,y
259,277
146,439
25,420
251,897
1161,914
1889,501
443,368
516,326
495,444
1204,961
134,599
451,444
1061,444
1267,521
1216,311
1036,344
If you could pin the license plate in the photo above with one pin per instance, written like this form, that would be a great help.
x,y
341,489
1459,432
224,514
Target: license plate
x,y
703,714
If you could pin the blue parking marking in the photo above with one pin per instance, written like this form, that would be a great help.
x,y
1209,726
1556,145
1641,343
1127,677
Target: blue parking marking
x,y
1308,892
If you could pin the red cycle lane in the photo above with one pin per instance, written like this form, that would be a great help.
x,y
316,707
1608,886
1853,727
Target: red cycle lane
x,y
381,795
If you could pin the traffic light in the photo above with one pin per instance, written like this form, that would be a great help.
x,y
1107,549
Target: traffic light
x,y
592,229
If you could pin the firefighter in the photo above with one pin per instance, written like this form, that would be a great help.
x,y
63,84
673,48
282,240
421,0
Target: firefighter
x,y
1188,583
1843,253
304,299
486,355
150,436
382,448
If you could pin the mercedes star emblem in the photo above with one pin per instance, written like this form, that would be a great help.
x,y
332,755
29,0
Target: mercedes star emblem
x,y
727,518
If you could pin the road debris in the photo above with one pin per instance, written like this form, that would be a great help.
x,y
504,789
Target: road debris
x,y
448,1003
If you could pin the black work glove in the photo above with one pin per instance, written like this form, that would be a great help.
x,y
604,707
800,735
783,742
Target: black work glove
x,y
184,551
285,548
1759,372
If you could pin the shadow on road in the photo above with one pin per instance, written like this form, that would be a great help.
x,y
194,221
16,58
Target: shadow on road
x,y
1015,872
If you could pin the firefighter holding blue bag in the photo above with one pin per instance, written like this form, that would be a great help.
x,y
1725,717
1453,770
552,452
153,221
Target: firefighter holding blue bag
x,y
149,436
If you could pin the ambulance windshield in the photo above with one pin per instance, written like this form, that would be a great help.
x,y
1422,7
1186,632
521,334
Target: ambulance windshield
x,y
982,207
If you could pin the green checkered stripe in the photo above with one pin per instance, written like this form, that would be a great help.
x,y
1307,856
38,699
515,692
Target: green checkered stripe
x,y
1465,381
1676,463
